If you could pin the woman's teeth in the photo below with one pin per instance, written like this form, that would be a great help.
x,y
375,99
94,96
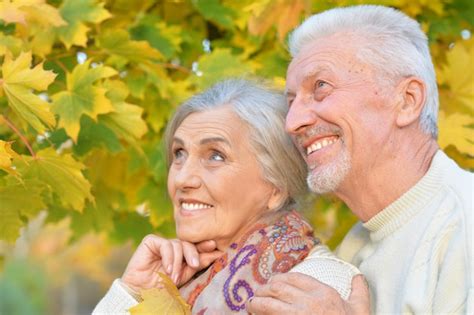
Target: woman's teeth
x,y
194,206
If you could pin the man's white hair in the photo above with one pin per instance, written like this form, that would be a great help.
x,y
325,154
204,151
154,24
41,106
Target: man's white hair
x,y
394,44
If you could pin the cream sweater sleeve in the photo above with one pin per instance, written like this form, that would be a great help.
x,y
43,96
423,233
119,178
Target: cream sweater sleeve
x,y
324,266
117,300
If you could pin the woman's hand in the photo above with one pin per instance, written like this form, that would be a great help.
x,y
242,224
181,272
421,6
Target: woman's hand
x,y
178,259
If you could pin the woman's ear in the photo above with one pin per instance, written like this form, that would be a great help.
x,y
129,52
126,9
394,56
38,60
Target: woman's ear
x,y
412,93
277,198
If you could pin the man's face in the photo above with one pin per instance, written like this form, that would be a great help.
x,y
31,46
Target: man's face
x,y
340,117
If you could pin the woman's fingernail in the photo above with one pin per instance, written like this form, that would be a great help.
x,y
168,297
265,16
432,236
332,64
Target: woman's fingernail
x,y
195,262
168,269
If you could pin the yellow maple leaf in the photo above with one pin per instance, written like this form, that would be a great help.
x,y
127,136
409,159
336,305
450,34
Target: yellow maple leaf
x,y
285,14
455,80
6,156
41,13
10,12
455,129
165,300
414,8
62,174
18,80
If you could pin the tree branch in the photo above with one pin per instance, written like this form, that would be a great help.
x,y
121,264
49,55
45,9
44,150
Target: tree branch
x,y
18,132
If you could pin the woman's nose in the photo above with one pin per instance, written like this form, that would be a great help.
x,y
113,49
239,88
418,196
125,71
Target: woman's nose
x,y
188,177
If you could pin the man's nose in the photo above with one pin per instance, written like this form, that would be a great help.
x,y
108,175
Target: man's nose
x,y
188,176
300,115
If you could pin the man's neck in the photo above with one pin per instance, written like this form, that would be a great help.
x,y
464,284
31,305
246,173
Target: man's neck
x,y
372,190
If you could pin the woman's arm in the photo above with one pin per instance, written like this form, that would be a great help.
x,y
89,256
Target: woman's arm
x,y
118,300
179,260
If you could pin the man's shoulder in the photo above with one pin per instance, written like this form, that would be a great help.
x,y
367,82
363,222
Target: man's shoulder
x,y
458,182
452,172
354,240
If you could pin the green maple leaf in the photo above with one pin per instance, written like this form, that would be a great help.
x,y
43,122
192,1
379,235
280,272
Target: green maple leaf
x,y
10,43
62,174
98,218
76,13
17,200
125,120
214,11
218,65
96,134
166,38
118,43
18,82
82,97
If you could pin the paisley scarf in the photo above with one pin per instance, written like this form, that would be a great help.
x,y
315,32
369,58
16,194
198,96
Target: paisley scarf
x,y
274,245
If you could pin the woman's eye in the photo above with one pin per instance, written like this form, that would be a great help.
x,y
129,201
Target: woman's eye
x,y
178,154
217,156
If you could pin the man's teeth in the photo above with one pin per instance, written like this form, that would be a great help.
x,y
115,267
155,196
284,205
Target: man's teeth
x,y
194,206
319,145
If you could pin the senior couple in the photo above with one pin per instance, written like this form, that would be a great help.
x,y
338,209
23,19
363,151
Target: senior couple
x,y
360,111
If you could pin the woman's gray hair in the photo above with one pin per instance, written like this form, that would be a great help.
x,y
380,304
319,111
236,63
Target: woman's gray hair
x,y
263,110
397,47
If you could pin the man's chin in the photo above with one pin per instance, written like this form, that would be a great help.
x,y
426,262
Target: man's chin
x,y
326,179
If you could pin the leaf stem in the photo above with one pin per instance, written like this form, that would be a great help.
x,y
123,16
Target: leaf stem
x,y
62,66
18,132
176,67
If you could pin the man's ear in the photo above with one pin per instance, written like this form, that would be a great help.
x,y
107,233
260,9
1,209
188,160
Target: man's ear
x,y
412,93
276,199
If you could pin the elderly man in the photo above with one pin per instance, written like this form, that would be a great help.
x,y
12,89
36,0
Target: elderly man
x,y
363,105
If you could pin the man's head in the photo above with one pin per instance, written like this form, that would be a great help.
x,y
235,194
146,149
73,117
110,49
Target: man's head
x,y
360,84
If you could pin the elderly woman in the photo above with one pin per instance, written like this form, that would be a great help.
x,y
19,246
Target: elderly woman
x,y
234,181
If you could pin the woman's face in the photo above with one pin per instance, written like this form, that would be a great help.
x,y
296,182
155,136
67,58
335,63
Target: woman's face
x,y
214,181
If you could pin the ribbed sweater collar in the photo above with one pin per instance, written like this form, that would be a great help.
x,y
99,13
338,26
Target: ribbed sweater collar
x,y
404,208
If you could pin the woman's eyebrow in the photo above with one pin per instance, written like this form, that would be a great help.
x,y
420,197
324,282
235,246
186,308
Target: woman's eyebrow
x,y
214,139
178,141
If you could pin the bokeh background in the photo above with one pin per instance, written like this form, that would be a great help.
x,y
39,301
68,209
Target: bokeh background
x,y
86,89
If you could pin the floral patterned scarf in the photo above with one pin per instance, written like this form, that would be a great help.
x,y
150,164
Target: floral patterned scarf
x,y
274,245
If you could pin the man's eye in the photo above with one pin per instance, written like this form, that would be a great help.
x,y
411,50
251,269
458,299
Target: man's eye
x,y
217,156
321,84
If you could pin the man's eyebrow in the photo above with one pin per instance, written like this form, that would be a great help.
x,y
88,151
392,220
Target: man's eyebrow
x,y
214,139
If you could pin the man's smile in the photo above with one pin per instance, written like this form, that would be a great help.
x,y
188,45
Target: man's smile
x,y
320,143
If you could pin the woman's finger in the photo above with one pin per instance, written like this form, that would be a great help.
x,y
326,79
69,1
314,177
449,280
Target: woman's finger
x,y
206,246
191,254
177,260
208,258
167,256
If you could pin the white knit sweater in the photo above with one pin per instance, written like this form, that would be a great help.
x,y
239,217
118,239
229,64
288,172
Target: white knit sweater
x,y
417,253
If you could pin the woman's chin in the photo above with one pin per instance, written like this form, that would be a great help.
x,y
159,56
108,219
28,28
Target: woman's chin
x,y
189,237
